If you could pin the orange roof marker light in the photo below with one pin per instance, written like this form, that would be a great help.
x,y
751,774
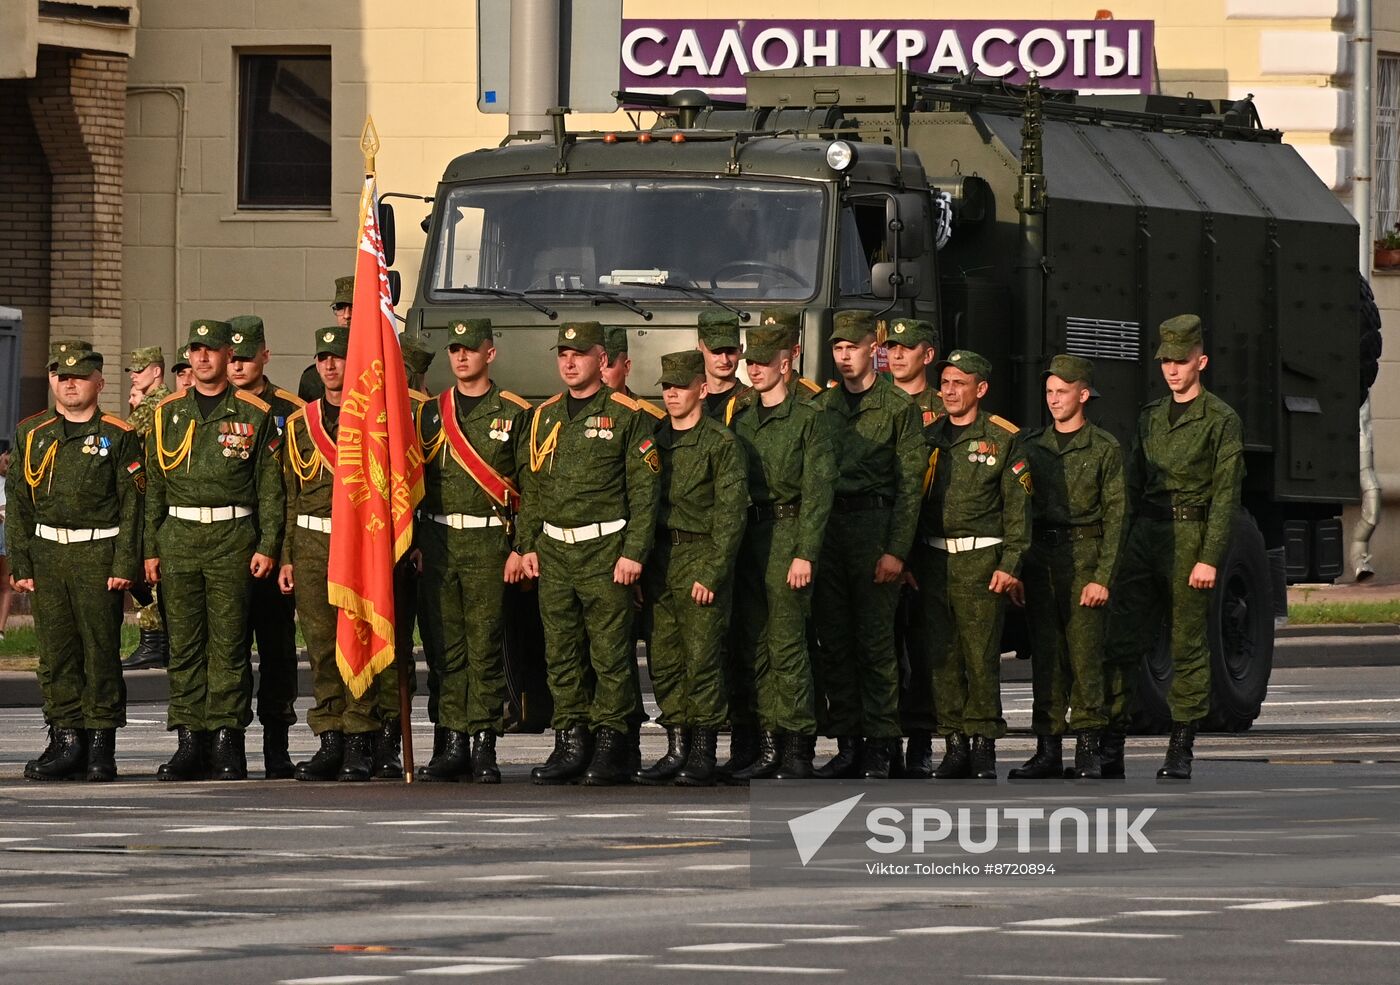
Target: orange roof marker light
x,y
644,138
677,138
609,138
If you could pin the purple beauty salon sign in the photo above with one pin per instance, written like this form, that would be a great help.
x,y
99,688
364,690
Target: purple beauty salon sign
x,y
1103,55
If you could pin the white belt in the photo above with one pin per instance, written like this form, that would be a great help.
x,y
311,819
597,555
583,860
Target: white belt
x,y
589,531
321,524
462,521
210,514
957,545
63,535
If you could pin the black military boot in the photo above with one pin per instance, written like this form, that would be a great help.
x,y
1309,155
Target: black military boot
x,y
229,760
895,751
798,751
439,740
765,760
743,747
484,768
388,751
1088,764
957,759
69,759
358,761
633,760
102,755
573,751
456,759
1179,756
665,769
918,755
1111,754
1048,763
277,764
325,765
609,765
699,769
152,650
875,759
188,761
50,750
984,758
845,765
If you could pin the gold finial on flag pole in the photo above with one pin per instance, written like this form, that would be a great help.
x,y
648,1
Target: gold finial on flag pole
x,y
369,143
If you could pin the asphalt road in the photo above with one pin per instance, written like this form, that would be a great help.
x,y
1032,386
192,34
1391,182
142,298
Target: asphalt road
x,y
1279,866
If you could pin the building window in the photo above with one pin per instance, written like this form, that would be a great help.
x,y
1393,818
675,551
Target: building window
x,y
1387,177
284,131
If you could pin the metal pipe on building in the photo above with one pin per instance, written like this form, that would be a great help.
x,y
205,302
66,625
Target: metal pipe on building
x,y
534,64
1363,128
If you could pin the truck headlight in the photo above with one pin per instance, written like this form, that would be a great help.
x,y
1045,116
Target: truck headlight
x,y
840,155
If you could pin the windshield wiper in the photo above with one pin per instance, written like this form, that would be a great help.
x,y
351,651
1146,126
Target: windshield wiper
x,y
599,297
497,292
700,292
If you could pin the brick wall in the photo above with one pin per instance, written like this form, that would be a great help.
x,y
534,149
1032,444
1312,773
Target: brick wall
x,y
24,234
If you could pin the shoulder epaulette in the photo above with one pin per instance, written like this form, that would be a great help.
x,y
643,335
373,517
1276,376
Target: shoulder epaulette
x,y
298,414
651,409
174,396
811,385
625,401
117,422
519,401
1004,424
418,395
37,413
291,398
257,402
552,400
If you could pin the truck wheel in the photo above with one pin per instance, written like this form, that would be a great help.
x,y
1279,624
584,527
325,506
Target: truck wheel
x,y
529,706
1241,637
1370,339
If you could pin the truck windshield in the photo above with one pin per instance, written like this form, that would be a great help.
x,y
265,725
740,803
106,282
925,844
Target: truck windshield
x,y
751,240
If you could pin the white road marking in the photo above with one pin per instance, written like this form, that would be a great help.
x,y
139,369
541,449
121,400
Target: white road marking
x,y
728,947
437,958
1348,943
146,897
714,867
751,969
1277,904
407,824
465,969
784,926
339,980
478,917
1088,933
594,958
1197,899
698,810
11,841
1057,922
614,872
154,912
1067,978
1165,913
602,817
95,834
1335,701
36,905
850,939
521,877
1390,899
110,949
943,930
517,820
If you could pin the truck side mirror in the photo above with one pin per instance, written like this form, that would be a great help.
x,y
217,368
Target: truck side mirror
x,y
386,231
889,280
906,226
395,286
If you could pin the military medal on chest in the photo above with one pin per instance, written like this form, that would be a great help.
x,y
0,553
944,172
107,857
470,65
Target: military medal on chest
x,y
598,427
500,429
96,445
982,451
236,438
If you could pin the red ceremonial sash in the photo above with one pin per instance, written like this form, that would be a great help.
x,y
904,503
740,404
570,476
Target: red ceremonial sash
x,y
497,487
316,427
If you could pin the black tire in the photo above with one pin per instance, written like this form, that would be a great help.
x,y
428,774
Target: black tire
x,y
1370,318
1241,636
529,706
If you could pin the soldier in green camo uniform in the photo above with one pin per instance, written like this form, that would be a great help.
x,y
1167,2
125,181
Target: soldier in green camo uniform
x,y
704,500
464,531
792,477
789,319
181,372
73,535
1078,507
588,518
310,386
214,514
974,531
719,344
1184,475
346,725
911,345
880,454
273,614
146,367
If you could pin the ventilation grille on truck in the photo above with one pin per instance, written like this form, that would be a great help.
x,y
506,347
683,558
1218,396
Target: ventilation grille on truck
x,y
1103,338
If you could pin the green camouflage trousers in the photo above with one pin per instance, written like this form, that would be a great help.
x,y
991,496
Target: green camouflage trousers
x,y
335,708
855,667
772,671
272,618
465,597
685,653
962,630
204,572
78,622
590,647
1152,585
1067,639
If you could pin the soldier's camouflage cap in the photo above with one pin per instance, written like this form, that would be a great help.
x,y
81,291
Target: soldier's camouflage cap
x,y
1180,337
681,368
416,356
1072,369
344,290
182,361
764,344
788,317
144,356
58,348
719,330
248,336
852,325
210,333
334,340
967,361
472,333
79,362
909,332
614,341
580,336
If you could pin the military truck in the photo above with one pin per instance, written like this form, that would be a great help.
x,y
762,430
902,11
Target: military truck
x,y
1023,221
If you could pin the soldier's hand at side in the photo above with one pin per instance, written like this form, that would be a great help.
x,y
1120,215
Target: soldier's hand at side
x,y
888,569
626,572
1094,596
909,579
415,558
512,574
701,595
1017,594
799,574
118,584
1002,582
285,580
1202,576
153,570
261,566
530,565
22,585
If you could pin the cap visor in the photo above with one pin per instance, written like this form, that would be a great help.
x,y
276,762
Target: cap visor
x,y
1176,353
